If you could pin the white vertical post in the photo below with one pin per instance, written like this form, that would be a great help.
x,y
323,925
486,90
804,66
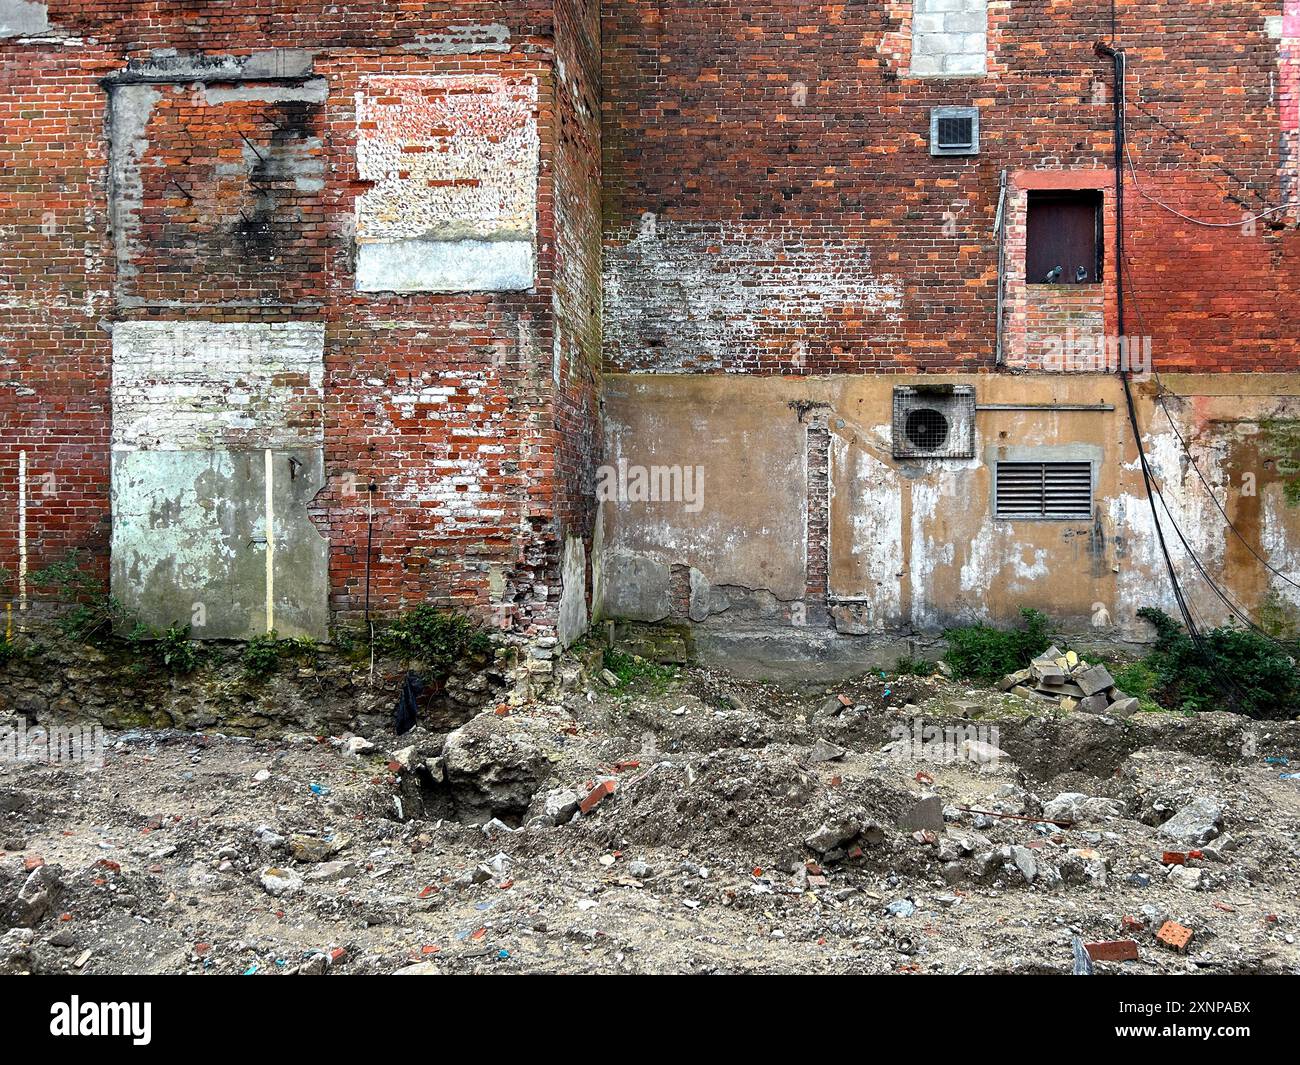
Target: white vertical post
x,y
270,541
22,530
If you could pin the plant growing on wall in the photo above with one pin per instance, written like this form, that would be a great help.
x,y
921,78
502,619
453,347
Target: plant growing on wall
x,y
90,614
434,638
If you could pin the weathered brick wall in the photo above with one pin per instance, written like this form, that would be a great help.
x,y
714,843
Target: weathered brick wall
x,y
55,290
576,354
232,196
772,206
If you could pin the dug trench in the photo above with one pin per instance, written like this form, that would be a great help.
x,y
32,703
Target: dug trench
x,y
700,824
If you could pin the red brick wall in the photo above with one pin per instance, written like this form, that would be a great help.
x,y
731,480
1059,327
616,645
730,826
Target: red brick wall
x,y
576,364
773,156
450,404
55,285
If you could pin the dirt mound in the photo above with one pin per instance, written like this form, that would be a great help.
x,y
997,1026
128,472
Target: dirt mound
x,y
763,804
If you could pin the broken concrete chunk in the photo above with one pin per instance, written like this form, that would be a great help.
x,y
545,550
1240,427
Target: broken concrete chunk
x,y
1081,809
280,882
833,834
1185,877
560,805
1124,708
1012,680
981,753
36,897
1095,681
310,849
1094,704
925,816
495,765
1198,822
824,751
1048,673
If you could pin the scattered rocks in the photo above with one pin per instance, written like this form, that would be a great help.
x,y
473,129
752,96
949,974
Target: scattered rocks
x,y
280,882
1198,822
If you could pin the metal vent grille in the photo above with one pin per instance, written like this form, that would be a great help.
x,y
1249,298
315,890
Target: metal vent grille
x,y
1060,490
954,131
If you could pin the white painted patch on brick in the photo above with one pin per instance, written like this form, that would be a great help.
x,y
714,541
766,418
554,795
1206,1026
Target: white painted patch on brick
x,y
193,386
704,296
453,161
463,40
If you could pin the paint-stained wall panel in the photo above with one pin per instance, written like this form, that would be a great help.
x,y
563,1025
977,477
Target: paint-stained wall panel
x,y
202,412
183,386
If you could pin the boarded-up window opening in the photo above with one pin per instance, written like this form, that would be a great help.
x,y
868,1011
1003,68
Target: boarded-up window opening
x,y
1053,490
1064,238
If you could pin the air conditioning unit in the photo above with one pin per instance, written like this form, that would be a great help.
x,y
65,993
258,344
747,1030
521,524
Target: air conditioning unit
x,y
954,131
934,422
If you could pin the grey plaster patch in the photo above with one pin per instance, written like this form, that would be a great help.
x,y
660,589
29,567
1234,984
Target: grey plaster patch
x,y
314,91
636,588
463,40
130,107
445,266
23,18
169,65
573,597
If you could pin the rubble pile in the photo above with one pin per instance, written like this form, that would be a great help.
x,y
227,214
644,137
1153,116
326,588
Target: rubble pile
x,y
1064,679
714,826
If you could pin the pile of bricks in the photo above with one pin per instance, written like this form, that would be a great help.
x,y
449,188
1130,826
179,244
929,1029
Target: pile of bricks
x,y
1066,680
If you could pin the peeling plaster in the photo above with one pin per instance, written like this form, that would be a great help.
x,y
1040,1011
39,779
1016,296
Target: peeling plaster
x,y
914,545
573,601
196,408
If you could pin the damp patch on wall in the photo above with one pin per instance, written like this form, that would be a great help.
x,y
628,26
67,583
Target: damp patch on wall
x,y
451,165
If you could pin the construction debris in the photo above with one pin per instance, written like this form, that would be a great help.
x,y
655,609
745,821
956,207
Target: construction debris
x,y
606,833
1068,681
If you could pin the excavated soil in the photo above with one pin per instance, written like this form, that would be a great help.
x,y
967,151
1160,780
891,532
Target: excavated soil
x,y
188,853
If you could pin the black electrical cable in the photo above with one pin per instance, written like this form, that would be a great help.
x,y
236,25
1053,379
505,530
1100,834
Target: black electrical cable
x,y
1225,684
1173,425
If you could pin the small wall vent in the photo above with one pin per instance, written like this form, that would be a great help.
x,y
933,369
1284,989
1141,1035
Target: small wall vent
x,y
934,422
1060,491
954,131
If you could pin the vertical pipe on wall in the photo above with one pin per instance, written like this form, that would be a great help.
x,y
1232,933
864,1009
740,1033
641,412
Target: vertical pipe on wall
x,y
1000,230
